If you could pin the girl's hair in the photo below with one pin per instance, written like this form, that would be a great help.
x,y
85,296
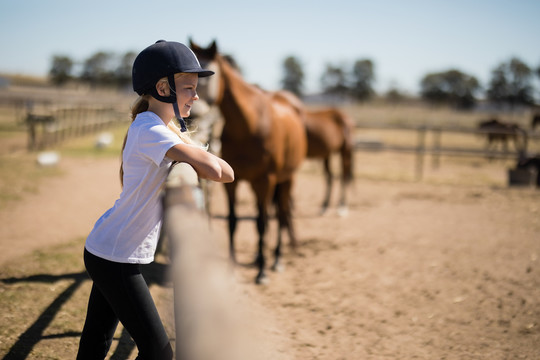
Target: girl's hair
x,y
141,105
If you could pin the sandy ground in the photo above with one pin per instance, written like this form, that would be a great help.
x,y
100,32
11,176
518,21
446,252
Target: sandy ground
x,y
64,208
433,269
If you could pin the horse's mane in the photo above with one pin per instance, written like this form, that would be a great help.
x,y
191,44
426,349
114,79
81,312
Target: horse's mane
x,y
231,61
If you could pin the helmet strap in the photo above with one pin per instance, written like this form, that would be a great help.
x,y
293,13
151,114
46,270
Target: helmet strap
x,y
172,86
183,127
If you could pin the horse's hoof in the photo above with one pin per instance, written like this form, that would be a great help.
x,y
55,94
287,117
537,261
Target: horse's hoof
x,y
278,267
262,279
343,211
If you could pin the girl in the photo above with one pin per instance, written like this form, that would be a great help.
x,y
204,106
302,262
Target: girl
x,y
165,75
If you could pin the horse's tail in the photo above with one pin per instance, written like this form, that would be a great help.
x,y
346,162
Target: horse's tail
x,y
279,192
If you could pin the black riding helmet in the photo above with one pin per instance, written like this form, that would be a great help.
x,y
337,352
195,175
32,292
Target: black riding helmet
x,y
164,59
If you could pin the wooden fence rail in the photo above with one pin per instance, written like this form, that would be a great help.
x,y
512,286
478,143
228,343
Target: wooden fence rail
x,y
45,130
436,149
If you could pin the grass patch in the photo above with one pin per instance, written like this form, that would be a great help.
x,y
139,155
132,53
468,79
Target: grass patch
x,y
54,260
42,301
21,176
7,129
44,297
86,146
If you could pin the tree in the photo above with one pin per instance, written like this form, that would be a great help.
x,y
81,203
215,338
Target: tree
x,y
293,79
123,71
362,79
538,74
334,80
61,69
511,84
450,87
98,69
394,96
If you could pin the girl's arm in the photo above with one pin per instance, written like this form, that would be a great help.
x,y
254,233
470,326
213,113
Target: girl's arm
x,y
207,165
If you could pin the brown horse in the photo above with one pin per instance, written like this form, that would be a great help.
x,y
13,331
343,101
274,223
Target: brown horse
x,y
264,141
329,130
498,131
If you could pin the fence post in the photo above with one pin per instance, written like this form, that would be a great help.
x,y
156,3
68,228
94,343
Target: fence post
x,y
31,132
436,147
420,151
33,121
212,322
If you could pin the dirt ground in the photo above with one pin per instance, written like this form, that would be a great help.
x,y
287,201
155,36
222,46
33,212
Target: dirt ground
x,y
443,268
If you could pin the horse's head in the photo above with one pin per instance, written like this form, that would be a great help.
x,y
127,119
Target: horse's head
x,y
209,87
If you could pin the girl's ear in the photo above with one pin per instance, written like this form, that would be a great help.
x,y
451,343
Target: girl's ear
x,y
161,88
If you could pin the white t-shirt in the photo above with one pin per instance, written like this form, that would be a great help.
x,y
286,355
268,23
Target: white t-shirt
x,y
128,232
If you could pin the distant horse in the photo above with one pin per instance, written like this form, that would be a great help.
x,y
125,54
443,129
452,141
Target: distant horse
x,y
535,121
264,141
329,130
497,131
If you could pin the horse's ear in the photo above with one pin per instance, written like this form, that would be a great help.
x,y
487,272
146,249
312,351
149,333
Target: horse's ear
x,y
192,45
213,47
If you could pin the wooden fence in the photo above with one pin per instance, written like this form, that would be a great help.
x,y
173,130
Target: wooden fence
x,y
52,127
436,149
208,319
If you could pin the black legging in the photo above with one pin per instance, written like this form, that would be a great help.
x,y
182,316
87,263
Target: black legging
x,y
120,293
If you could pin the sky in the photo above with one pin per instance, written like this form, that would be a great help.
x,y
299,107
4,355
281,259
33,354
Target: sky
x,y
405,39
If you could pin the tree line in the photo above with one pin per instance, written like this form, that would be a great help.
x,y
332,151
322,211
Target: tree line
x,y
510,84
101,69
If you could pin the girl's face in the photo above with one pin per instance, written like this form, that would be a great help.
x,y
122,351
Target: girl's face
x,y
186,92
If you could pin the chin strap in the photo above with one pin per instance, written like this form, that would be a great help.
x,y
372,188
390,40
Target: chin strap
x,y
172,85
183,127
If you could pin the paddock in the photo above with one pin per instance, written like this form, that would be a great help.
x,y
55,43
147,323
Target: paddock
x,y
446,266
436,143
438,268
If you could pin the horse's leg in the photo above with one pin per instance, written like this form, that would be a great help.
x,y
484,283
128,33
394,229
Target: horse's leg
x,y
346,178
231,197
286,201
328,178
278,266
263,191
284,215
